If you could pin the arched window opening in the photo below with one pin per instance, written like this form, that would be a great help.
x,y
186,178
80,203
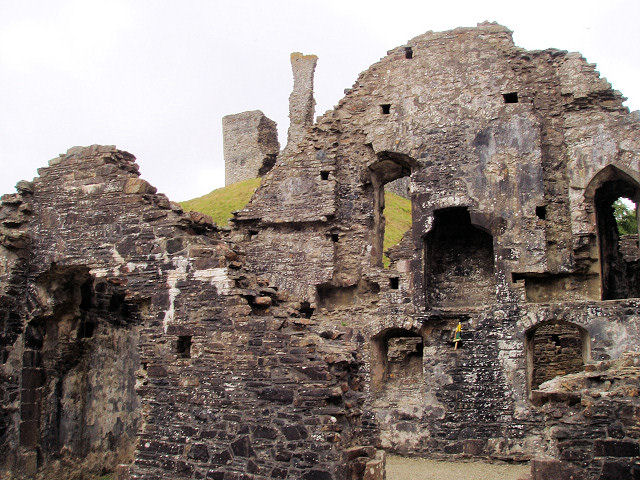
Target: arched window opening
x,y
389,168
396,360
459,261
616,203
553,349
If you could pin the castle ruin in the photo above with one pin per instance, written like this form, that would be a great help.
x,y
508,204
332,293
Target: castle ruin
x,y
141,339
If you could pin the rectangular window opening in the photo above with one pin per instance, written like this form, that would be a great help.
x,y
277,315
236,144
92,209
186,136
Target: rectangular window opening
x,y
511,97
394,283
183,346
335,237
408,52
386,108
324,175
541,212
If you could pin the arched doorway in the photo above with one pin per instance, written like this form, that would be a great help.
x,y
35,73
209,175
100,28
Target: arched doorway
x,y
610,190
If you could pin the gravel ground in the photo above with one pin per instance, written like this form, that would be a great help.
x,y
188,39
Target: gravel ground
x,y
402,468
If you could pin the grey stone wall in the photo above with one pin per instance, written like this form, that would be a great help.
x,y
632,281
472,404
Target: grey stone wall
x,y
301,102
213,372
505,144
250,145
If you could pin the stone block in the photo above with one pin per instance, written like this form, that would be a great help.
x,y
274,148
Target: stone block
x,y
139,186
616,470
616,448
546,469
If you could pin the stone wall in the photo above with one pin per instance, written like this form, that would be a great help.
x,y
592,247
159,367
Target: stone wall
x,y
204,370
500,145
250,145
283,347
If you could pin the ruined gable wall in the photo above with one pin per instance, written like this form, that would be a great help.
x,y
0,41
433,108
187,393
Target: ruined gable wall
x,y
470,148
228,378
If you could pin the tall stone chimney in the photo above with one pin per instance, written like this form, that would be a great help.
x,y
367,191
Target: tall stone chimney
x,y
301,102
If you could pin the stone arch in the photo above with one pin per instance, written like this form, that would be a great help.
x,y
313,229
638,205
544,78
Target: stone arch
x,y
396,358
555,347
618,278
459,262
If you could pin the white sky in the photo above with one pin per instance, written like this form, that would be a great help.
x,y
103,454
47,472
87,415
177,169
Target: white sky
x,y
155,77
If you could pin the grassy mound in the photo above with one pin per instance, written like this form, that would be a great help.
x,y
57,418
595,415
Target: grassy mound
x,y
221,202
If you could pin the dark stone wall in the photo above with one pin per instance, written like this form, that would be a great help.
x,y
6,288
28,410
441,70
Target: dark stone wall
x,y
119,280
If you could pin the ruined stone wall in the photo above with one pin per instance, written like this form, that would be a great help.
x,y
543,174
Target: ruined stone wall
x,y
301,102
284,348
495,145
250,145
204,370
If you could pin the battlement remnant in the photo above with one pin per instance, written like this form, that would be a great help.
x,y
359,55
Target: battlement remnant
x,y
301,102
250,145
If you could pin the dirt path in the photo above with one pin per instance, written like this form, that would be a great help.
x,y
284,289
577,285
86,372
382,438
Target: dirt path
x,y
402,468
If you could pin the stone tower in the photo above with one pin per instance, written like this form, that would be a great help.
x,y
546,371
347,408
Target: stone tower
x,y
250,145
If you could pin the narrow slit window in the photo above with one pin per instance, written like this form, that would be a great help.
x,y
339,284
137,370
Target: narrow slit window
x,y
408,52
183,346
394,283
386,108
511,97
324,175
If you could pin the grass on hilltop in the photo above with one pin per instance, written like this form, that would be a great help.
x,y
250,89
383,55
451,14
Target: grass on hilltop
x,y
220,203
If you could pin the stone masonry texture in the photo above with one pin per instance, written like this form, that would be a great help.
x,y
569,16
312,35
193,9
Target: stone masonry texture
x,y
301,102
144,340
250,145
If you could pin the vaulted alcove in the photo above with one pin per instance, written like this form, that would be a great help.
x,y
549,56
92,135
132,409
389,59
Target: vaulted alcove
x,y
78,395
396,360
618,276
459,261
555,348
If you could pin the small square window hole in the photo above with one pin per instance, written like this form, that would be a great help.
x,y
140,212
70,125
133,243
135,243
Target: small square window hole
x,y
394,283
183,346
386,108
510,97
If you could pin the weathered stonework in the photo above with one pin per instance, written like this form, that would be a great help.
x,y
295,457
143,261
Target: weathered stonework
x,y
250,145
282,348
301,102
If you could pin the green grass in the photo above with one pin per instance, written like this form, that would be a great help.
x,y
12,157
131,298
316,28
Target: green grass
x,y
397,213
221,202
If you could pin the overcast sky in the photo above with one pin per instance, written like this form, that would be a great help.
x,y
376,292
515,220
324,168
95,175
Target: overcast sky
x,y
155,77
